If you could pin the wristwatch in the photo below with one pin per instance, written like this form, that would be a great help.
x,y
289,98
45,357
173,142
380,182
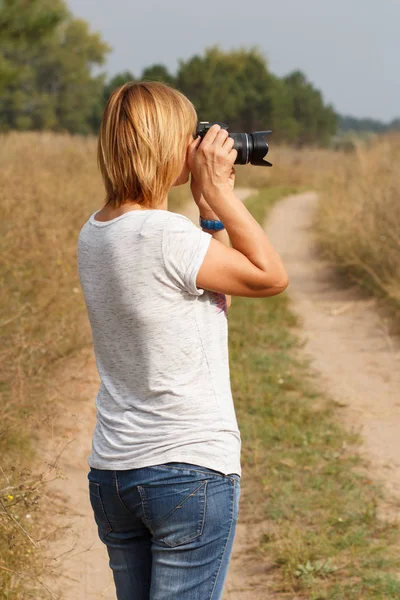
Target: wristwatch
x,y
210,224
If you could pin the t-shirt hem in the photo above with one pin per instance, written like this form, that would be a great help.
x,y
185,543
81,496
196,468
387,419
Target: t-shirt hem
x,y
226,468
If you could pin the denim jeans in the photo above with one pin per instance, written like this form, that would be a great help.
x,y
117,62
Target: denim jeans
x,y
168,529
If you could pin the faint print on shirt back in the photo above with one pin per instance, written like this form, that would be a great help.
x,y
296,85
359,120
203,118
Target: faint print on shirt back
x,y
220,301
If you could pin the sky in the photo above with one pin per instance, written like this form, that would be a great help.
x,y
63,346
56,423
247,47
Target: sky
x,y
348,49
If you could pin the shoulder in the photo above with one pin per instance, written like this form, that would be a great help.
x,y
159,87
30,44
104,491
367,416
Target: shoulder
x,y
177,222
165,222
173,217
82,234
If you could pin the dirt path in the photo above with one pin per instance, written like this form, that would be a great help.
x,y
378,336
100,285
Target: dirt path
x,y
77,558
357,361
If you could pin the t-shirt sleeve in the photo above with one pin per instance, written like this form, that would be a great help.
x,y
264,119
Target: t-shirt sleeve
x,y
184,247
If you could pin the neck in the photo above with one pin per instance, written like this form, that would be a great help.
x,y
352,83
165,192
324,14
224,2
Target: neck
x,y
108,212
131,205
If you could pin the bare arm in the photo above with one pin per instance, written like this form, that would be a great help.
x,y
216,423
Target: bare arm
x,y
252,267
206,212
221,236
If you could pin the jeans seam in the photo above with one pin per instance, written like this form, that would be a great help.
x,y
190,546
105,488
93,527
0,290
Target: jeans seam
x,y
204,509
226,542
144,506
104,514
125,506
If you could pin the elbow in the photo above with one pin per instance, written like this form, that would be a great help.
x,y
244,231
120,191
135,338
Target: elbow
x,y
277,286
278,282
281,287
283,283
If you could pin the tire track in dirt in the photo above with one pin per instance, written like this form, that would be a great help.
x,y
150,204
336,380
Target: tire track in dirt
x,y
78,561
346,337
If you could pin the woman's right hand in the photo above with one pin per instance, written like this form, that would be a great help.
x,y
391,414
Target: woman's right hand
x,y
211,159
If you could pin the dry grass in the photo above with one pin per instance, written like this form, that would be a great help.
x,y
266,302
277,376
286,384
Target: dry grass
x,y
49,184
307,167
359,217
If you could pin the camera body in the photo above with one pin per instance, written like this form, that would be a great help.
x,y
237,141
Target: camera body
x,y
251,147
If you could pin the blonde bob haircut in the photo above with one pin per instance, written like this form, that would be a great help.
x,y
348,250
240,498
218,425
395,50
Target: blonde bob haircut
x,y
144,134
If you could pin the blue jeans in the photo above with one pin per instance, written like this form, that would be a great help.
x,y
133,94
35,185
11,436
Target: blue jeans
x,y
168,529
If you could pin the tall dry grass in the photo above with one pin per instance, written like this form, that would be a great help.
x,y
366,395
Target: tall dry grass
x,y
294,167
49,184
358,221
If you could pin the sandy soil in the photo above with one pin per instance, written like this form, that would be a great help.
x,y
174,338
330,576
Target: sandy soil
x,y
347,338
349,346
78,561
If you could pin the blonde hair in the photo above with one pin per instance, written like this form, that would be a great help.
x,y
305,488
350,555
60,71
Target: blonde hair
x,y
142,142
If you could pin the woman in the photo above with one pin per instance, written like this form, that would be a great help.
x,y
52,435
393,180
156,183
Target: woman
x,y
165,470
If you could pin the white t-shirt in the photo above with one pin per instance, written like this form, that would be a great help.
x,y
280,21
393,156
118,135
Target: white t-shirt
x,y
161,345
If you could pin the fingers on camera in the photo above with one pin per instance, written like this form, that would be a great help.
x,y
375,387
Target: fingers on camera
x,y
233,155
194,144
221,136
229,143
211,134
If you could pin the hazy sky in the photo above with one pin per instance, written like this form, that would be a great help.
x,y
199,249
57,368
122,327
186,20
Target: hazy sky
x,y
349,49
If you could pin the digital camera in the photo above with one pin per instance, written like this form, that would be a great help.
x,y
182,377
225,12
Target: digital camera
x,y
251,147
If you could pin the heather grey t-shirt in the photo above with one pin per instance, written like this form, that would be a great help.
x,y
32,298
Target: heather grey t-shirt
x,y
161,345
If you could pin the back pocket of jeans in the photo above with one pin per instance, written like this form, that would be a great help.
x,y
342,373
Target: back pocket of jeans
x,y
174,512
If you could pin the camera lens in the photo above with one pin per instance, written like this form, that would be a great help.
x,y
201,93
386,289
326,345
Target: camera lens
x,y
242,145
251,148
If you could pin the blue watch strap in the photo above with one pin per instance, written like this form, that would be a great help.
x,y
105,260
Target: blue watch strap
x,y
209,224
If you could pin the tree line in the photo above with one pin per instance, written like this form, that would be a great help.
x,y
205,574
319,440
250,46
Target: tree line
x,y
47,58
349,124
